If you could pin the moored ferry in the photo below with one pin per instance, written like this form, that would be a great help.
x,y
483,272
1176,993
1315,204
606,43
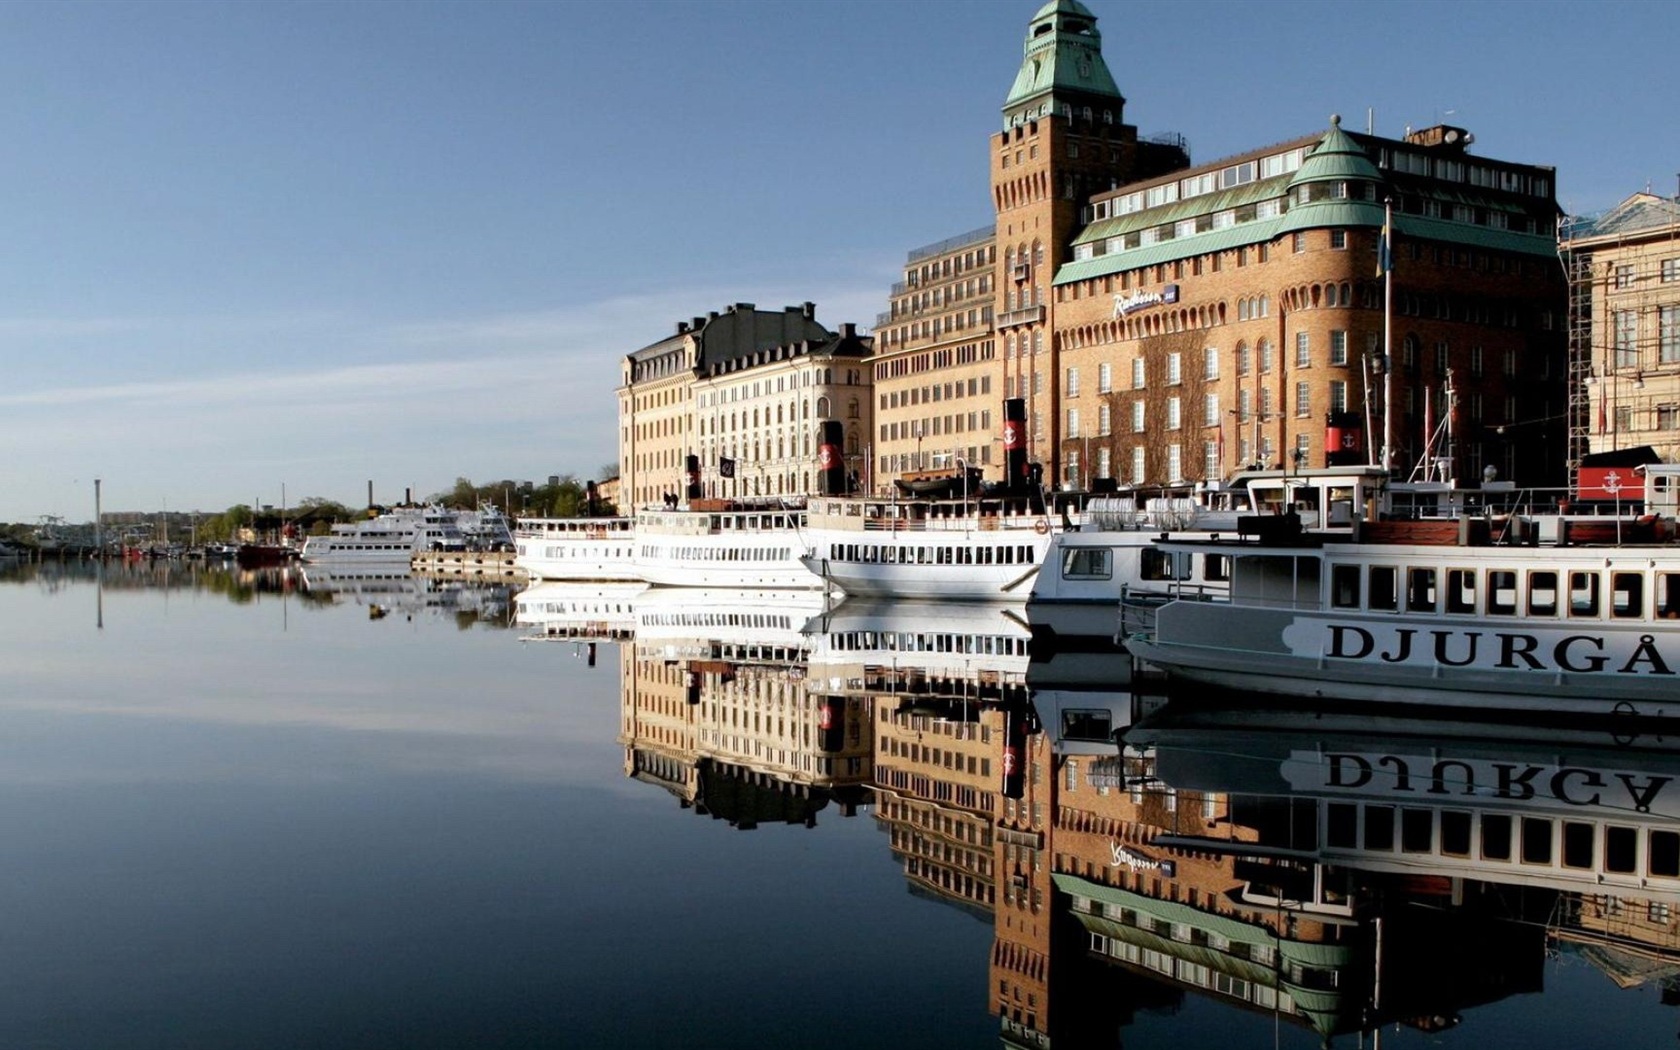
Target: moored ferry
x,y
396,535
1450,613
987,547
576,548
723,543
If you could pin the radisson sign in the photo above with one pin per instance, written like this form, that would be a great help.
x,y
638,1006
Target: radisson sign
x,y
1125,304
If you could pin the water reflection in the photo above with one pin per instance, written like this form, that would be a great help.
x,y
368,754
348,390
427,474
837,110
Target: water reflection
x,y
1146,874
1300,875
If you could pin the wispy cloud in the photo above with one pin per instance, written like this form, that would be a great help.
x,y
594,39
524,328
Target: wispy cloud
x,y
330,402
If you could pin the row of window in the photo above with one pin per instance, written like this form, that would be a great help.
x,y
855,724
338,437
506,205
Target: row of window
x,y
1504,839
1631,329
932,554
1577,593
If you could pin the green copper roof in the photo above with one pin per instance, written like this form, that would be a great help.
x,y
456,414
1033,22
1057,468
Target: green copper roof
x,y
1336,157
1063,53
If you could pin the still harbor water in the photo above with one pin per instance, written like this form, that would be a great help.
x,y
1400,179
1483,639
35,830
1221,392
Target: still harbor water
x,y
253,810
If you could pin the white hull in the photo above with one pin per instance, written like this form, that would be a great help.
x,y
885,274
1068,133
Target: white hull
x,y
578,549
1440,661
975,565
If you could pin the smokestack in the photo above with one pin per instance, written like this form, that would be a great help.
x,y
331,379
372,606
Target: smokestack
x,y
370,492
693,464
1015,442
831,465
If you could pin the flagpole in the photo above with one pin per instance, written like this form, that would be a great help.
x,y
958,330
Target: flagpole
x,y
1385,249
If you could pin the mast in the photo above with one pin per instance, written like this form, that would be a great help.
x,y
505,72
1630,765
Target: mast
x,y
1385,264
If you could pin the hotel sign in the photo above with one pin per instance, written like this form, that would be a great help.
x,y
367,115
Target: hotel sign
x,y
1126,304
1126,857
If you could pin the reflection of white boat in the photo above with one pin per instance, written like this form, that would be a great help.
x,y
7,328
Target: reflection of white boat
x,y
578,610
967,641
1434,621
755,619
576,548
723,543
1590,805
388,588
1085,722
394,536
977,548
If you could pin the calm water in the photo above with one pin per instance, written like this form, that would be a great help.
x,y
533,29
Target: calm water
x,y
242,814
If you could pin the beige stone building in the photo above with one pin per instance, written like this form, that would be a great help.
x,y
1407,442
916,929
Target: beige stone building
x,y
936,406
1624,282
741,384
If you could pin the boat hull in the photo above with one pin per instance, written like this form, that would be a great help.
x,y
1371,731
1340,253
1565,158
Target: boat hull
x,y
1446,662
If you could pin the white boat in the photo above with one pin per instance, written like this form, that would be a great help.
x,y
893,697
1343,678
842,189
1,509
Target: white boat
x,y
1437,613
394,536
723,543
1111,553
576,548
980,548
485,529
578,610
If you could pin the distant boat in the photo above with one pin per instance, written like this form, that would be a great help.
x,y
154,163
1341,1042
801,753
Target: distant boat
x,y
395,536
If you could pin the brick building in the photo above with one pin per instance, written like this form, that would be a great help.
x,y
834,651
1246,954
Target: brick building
x,y
1168,323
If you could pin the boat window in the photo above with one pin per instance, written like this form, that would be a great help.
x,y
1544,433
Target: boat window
x,y
1344,586
1502,592
1578,844
1536,840
1496,837
1417,830
1420,590
1088,724
1455,832
1461,591
1583,594
1542,593
1379,828
1662,854
1620,846
1218,567
1341,824
1384,590
1627,594
1089,563
1155,564
1668,595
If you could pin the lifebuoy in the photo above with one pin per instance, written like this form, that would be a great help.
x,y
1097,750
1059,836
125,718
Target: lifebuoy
x,y
1041,526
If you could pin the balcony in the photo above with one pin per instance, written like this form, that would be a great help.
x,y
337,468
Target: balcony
x,y
1025,315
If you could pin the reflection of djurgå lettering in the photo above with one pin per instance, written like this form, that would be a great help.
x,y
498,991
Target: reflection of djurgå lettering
x,y
1503,781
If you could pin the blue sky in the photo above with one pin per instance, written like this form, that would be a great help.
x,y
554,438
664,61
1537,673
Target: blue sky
x,y
311,245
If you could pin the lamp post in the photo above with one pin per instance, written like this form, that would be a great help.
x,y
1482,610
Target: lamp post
x,y
962,466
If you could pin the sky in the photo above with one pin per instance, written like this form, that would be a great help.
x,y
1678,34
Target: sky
x,y
259,252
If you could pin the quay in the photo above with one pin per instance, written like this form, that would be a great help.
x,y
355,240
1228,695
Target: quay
x,y
498,564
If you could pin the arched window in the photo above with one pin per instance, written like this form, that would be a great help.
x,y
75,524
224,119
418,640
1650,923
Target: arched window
x,y
852,409
822,408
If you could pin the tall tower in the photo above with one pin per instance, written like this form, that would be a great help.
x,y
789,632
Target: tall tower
x,y
1063,139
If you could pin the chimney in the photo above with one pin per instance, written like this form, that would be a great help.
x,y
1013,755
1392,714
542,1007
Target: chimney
x,y
810,311
682,327
848,330
697,322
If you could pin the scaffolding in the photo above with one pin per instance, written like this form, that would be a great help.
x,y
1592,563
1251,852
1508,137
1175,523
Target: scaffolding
x,y
1577,268
1623,272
